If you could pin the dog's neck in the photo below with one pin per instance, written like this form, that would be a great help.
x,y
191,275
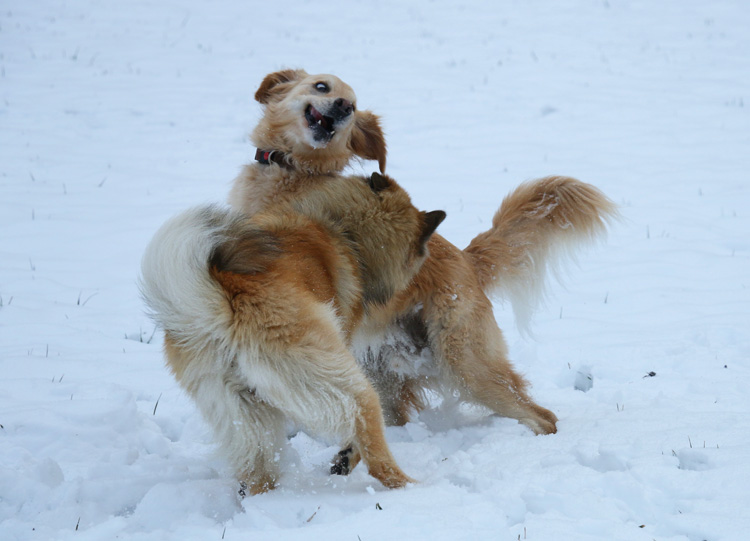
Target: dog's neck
x,y
267,157
300,164
273,177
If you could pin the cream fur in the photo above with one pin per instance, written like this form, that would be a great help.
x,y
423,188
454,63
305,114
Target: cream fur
x,y
258,314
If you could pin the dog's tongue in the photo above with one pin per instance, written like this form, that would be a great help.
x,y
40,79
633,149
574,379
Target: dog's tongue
x,y
316,114
320,118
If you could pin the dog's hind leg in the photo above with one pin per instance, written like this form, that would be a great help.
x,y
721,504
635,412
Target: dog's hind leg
x,y
369,444
472,351
255,443
396,409
250,431
370,441
492,382
319,385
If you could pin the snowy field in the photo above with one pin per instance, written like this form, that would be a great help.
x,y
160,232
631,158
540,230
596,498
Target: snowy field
x,y
116,115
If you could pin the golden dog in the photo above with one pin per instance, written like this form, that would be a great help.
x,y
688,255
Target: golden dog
x,y
442,331
311,129
258,314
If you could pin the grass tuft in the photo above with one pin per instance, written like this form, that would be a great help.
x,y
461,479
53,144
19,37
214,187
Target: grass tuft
x,y
157,404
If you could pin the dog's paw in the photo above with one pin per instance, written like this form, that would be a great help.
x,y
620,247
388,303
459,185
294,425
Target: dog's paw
x,y
259,485
342,462
543,423
392,477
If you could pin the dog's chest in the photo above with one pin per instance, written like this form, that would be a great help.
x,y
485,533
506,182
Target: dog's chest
x,y
403,349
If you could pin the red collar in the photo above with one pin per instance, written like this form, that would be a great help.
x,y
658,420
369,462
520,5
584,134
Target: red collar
x,y
267,157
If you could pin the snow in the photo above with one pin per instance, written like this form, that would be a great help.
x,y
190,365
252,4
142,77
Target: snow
x,y
116,115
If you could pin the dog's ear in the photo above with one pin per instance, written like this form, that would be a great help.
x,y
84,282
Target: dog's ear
x,y
276,83
431,220
378,182
367,140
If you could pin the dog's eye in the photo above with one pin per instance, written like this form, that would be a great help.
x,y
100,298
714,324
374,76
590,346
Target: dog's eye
x,y
322,87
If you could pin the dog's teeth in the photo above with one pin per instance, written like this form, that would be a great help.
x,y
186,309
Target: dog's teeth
x,y
320,122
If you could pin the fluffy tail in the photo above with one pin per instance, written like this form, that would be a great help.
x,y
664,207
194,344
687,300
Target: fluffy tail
x,y
176,282
537,228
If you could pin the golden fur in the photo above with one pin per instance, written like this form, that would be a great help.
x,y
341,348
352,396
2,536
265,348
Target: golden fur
x,y
284,128
259,313
445,315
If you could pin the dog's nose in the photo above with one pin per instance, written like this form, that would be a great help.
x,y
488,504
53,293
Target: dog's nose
x,y
343,107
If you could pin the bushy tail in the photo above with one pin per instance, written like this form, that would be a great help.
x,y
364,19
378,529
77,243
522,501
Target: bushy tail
x,y
176,284
538,227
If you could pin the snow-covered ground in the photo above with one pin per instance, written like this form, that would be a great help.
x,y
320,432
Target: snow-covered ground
x,y
116,115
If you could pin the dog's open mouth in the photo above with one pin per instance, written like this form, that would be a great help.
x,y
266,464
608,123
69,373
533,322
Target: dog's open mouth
x,y
320,124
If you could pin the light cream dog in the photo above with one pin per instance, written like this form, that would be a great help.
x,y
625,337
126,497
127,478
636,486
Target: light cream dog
x,y
259,313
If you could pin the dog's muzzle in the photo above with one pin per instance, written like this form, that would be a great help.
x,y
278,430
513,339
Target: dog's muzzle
x,y
323,124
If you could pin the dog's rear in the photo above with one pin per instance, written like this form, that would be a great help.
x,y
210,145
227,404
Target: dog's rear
x,y
257,314
539,226
180,293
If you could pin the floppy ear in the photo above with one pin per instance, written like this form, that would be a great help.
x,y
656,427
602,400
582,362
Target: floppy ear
x,y
431,221
367,140
275,83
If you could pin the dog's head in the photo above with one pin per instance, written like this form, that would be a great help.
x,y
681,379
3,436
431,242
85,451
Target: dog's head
x,y
315,121
386,233
392,236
